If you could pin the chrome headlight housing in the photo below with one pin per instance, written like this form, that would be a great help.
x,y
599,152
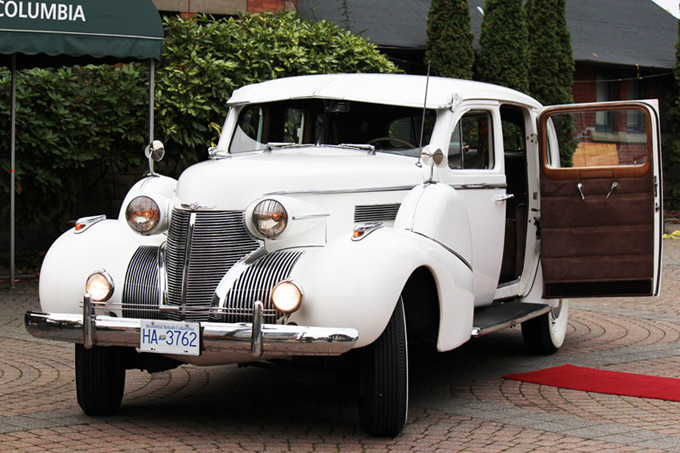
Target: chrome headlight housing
x,y
143,214
269,218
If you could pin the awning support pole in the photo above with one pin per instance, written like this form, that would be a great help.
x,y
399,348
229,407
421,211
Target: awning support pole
x,y
12,171
152,83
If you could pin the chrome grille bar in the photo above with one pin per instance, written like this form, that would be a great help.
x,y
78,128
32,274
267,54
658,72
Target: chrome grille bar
x,y
141,289
256,284
202,246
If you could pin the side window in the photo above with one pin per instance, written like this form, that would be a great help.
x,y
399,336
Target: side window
x,y
293,126
614,137
471,144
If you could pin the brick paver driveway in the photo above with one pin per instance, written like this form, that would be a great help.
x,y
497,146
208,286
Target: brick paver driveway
x,y
459,402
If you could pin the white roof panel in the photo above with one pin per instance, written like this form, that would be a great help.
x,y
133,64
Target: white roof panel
x,y
392,89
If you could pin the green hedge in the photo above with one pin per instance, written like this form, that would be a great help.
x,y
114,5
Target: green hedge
x,y
80,124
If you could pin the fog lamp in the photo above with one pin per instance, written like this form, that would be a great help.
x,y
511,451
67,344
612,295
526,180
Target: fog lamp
x,y
99,286
287,296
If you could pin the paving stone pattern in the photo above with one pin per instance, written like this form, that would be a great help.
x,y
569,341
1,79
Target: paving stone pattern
x,y
459,401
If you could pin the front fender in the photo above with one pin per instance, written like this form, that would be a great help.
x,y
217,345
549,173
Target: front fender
x,y
107,245
357,284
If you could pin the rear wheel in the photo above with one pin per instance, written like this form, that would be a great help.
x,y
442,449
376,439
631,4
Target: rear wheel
x,y
545,334
383,397
100,379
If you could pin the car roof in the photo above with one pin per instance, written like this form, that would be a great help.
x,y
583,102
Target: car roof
x,y
391,89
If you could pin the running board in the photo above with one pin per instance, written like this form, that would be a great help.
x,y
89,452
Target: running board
x,y
500,316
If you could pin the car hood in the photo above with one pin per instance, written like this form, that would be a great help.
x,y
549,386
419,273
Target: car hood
x,y
232,183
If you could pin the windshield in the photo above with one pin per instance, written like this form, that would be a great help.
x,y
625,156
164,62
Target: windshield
x,y
388,128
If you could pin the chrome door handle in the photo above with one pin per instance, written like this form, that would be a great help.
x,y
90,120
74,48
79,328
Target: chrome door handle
x,y
505,197
579,186
615,185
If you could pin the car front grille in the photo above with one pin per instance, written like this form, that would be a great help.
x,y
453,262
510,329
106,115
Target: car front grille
x,y
141,291
256,284
202,246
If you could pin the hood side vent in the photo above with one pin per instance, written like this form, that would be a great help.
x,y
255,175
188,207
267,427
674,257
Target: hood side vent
x,y
376,212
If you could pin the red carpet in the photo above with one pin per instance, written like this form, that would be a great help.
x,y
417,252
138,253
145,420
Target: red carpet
x,y
602,381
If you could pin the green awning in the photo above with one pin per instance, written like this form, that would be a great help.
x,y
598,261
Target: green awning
x,y
66,32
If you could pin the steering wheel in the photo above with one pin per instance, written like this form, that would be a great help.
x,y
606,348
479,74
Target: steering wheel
x,y
391,139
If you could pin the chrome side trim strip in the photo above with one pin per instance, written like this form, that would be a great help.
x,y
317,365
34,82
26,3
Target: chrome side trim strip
x,y
343,191
448,249
480,186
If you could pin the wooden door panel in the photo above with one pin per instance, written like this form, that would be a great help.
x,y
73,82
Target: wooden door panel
x,y
598,226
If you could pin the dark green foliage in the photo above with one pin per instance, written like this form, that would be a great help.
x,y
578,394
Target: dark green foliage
x,y
551,63
68,119
449,39
204,60
79,124
671,149
504,40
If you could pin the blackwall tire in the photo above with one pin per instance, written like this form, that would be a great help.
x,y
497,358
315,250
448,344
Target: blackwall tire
x,y
383,396
545,334
100,379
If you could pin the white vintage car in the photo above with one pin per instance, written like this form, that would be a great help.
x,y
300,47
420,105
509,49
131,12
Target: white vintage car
x,y
367,212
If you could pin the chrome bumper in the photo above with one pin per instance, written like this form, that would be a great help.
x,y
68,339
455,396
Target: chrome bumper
x,y
256,338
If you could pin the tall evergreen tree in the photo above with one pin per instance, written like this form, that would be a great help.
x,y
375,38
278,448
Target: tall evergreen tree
x,y
449,39
504,40
551,63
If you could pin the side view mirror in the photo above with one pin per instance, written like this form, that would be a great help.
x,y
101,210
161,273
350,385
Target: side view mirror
x,y
155,153
432,157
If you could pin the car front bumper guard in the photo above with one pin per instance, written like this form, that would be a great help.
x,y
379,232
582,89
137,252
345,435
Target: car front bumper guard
x,y
256,338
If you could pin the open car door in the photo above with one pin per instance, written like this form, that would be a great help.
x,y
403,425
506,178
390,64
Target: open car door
x,y
601,199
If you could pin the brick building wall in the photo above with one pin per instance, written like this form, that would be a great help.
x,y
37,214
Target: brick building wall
x,y
224,7
584,89
258,6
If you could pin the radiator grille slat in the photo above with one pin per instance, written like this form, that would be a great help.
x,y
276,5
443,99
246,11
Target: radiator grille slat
x,y
256,284
141,291
219,240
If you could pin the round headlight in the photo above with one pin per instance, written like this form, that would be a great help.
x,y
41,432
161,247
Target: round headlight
x,y
142,214
286,296
270,218
99,286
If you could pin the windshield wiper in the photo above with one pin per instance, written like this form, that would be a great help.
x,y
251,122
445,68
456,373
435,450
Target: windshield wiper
x,y
286,145
281,145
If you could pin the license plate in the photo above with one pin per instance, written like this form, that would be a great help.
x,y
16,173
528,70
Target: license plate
x,y
170,337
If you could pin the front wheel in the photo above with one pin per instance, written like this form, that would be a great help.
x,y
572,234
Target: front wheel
x,y
383,397
545,334
100,379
